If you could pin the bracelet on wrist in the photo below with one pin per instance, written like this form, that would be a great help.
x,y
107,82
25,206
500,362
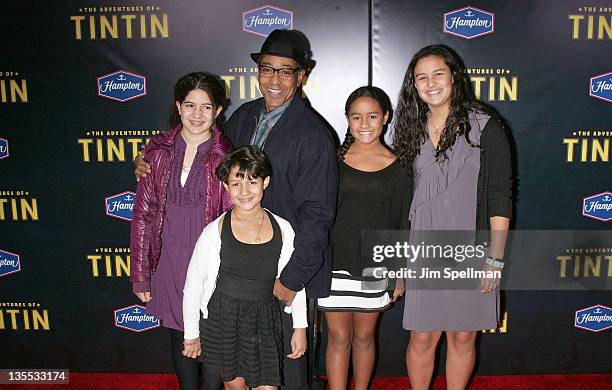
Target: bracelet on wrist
x,y
495,262
191,342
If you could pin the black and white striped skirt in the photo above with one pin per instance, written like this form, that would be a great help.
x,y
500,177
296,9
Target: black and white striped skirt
x,y
350,293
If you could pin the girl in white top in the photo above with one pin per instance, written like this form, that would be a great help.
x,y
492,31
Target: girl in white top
x,y
230,280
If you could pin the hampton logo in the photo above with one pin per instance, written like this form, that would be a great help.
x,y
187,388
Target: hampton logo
x,y
122,86
595,318
120,205
598,206
262,21
135,318
469,22
601,87
9,263
4,148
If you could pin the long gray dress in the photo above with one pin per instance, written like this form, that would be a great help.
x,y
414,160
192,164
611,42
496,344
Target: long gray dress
x,y
445,199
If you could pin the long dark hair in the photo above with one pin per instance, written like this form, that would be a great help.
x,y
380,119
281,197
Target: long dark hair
x,y
374,93
205,81
412,112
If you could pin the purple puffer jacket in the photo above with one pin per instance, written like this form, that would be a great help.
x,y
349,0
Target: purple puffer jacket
x,y
149,209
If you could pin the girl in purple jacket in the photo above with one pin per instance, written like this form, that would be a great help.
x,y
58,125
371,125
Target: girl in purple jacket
x,y
173,204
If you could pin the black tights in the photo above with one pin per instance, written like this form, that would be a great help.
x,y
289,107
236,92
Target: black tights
x,y
188,370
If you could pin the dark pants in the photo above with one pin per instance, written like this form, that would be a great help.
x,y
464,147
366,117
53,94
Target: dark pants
x,y
188,370
295,371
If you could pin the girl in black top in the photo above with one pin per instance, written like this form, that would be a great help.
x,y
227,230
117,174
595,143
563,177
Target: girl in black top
x,y
374,193
230,282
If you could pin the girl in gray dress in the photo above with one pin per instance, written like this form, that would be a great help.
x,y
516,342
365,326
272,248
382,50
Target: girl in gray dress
x,y
460,157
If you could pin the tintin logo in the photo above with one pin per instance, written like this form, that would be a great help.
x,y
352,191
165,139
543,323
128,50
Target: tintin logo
x,y
598,206
591,23
588,146
23,316
469,22
12,88
494,84
595,318
120,205
18,206
262,21
4,148
110,262
120,22
113,145
585,263
601,87
9,263
122,86
135,318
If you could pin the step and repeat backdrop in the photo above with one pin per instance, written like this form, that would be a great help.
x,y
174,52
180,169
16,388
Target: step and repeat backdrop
x,y
84,84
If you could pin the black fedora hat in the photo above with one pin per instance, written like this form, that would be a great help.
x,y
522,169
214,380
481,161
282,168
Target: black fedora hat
x,y
287,43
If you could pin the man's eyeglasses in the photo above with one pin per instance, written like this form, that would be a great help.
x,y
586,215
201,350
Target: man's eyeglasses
x,y
283,73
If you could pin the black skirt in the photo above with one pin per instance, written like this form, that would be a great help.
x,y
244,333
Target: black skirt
x,y
243,338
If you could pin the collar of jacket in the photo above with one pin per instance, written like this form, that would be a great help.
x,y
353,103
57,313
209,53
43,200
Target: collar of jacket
x,y
166,140
292,112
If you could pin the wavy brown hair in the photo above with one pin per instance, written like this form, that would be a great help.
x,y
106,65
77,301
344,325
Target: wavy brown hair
x,y
412,112
385,104
207,82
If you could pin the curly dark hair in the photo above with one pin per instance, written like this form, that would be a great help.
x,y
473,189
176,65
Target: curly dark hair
x,y
251,161
374,93
205,81
412,112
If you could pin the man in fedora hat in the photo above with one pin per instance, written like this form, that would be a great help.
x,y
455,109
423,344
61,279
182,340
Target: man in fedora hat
x,y
305,177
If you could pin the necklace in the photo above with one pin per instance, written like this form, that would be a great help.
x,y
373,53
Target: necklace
x,y
257,238
436,128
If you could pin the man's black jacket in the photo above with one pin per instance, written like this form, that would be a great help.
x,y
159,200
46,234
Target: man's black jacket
x,y
303,187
